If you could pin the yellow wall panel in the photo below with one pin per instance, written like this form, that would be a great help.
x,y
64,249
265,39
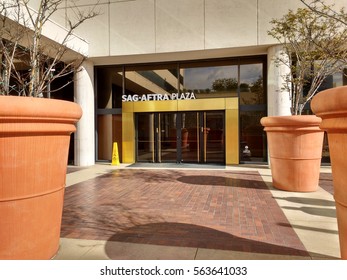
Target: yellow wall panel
x,y
181,105
155,106
128,136
232,137
127,107
201,104
231,103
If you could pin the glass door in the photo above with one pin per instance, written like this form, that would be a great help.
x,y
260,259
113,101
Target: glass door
x,y
182,137
190,137
156,137
145,137
167,137
213,137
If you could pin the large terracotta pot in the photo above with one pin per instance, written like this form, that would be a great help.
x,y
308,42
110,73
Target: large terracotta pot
x,y
295,148
331,106
34,143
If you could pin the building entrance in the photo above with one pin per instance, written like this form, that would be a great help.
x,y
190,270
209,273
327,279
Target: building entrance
x,y
182,137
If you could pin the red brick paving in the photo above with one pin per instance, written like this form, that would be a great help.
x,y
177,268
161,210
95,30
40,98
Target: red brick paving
x,y
71,169
326,182
205,209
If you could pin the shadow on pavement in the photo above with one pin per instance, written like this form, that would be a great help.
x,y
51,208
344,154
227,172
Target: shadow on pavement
x,y
189,235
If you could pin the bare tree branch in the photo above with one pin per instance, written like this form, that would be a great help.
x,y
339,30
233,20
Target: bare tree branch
x,y
314,48
319,7
29,63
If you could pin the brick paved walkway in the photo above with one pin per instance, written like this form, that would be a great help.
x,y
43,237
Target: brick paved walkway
x,y
204,209
326,182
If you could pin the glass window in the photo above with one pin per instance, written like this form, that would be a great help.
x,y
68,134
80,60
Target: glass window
x,y
252,109
109,88
335,80
154,79
252,137
251,84
145,137
109,104
210,81
109,131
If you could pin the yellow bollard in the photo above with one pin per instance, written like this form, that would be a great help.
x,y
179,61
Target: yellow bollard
x,y
115,155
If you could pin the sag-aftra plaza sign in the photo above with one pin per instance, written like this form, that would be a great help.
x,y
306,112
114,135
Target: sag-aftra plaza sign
x,y
158,97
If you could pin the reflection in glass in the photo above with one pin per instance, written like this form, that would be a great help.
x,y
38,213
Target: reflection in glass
x,y
211,82
325,150
335,80
145,137
167,137
252,109
109,88
252,138
109,131
190,137
214,151
194,137
151,80
251,84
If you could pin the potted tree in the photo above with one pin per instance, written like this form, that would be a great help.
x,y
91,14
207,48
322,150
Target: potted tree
x,y
312,52
34,131
331,106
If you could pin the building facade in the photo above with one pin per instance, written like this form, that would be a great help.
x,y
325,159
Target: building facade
x,y
178,81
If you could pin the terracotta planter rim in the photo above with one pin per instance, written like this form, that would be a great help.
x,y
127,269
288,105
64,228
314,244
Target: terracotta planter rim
x,y
330,102
297,120
19,107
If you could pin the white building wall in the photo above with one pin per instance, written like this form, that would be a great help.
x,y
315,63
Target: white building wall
x,y
143,27
230,24
165,26
162,26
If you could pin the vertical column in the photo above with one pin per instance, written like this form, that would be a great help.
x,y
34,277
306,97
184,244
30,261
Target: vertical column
x,y
85,133
278,98
152,133
105,122
232,143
